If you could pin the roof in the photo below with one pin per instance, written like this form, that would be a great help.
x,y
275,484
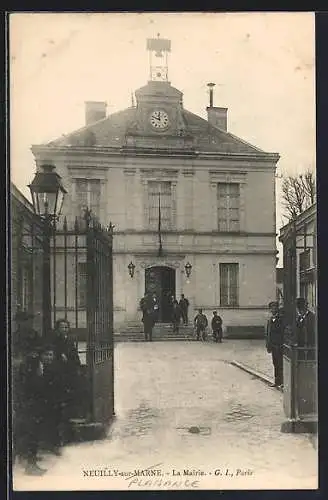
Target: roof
x,y
306,217
18,195
112,131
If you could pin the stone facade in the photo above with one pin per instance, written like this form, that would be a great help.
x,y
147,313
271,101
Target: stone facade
x,y
303,234
191,157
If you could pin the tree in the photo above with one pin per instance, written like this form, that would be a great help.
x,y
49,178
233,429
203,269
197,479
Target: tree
x,y
298,193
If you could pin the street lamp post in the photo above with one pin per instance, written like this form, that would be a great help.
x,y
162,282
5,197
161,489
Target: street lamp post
x,y
48,195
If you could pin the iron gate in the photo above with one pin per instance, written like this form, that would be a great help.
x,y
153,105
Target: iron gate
x,y
82,293
26,263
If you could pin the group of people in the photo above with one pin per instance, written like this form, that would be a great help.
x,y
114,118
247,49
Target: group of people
x,y
149,306
45,384
278,333
201,324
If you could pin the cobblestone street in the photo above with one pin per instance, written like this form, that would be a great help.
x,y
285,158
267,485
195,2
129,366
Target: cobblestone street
x,y
179,406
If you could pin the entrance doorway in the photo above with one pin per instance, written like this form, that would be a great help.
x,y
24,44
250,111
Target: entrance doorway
x,y
161,280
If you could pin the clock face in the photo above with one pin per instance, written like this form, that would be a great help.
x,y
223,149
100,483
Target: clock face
x,y
159,119
159,74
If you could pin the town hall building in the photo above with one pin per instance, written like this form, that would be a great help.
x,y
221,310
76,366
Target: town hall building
x,y
193,205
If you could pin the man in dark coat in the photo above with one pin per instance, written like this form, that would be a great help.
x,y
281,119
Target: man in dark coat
x,y
64,345
217,327
184,304
176,316
148,319
52,388
275,341
200,323
305,325
26,398
28,411
66,354
25,337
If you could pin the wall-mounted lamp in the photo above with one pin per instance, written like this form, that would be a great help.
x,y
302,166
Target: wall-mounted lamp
x,y
188,268
131,268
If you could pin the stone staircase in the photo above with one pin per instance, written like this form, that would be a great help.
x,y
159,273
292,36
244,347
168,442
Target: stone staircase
x,y
133,332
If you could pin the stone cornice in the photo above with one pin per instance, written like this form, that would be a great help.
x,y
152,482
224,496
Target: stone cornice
x,y
162,173
131,232
48,150
192,251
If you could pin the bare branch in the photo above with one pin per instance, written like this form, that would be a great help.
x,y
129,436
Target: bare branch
x,y
298,193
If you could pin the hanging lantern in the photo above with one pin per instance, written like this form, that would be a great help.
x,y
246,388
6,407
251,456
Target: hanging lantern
x,y
188,268
131,268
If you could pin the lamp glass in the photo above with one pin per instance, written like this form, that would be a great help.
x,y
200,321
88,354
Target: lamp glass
x,y
47,203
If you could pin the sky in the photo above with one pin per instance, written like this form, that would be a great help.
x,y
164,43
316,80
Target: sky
x,y
262,64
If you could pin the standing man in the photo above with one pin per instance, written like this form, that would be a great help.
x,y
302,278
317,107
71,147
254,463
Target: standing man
x,y
26,397
275,341
155,305
25,337
176,316
200,323
148,316
217,327
305,324
67,355
184,304
53,388
29,403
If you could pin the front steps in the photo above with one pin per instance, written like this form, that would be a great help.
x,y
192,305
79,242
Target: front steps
x,y
133,332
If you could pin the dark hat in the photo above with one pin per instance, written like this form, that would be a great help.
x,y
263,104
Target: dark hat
x,y
23,316
273,303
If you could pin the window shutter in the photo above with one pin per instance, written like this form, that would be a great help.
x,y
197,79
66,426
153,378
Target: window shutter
x,y
228,206
229,285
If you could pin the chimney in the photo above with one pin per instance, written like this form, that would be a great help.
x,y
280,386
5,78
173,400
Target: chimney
x,y
94,111
216,116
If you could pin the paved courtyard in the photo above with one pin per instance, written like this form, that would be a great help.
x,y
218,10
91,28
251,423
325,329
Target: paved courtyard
x,y
193,420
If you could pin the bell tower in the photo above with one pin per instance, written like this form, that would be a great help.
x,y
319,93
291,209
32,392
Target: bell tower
x,y
158,49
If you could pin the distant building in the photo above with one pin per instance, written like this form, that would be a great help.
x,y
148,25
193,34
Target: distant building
x,y
299,239
180,190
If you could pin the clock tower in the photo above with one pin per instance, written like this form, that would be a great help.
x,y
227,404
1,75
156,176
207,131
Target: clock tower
x,y
159,110
158,49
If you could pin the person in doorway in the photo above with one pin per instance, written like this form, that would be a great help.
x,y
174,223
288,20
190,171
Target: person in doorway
x,y
184,305
305,324
275,341
200,323
155,305
176,316
216,327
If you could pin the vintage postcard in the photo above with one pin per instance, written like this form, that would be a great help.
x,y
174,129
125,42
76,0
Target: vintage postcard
x,y
163,268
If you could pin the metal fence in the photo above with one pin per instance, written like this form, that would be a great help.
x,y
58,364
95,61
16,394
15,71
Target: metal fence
x,y
26,263
81,292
